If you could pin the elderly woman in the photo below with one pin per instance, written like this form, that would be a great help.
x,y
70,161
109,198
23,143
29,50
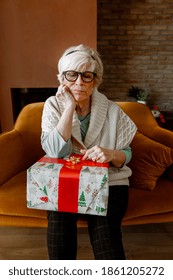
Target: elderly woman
x,y
79,119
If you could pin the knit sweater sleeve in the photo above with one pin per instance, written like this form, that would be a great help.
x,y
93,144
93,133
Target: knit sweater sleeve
x,y
126,129
52,142
128,154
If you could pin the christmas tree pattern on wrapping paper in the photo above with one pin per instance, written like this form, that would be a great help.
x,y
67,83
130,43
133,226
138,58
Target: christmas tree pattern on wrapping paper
x,y
98,208
104,180
50,166
82,200
44,198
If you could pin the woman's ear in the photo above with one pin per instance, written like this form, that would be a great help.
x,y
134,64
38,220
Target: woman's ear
x,y
60,79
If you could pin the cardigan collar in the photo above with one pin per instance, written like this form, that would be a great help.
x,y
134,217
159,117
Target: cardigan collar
x,y
99,107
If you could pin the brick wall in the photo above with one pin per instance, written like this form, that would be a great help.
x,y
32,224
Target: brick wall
x,y
135,40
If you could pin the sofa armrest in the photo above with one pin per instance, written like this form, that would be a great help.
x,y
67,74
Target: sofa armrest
x,y
12,155
146,123
162,136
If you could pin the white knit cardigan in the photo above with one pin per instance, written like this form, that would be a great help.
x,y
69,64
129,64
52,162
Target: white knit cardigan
x,y
109,128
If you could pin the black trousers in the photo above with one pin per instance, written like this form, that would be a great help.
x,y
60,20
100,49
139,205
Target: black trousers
x,y
105,232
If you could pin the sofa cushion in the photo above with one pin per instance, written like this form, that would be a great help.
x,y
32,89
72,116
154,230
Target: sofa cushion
x,y
149,161
143,203
13,199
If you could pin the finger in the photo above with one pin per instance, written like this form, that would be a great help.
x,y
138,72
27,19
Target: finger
x,y
66,89
60,96
87,155
83,151
91,154
103,159
59,91
94,156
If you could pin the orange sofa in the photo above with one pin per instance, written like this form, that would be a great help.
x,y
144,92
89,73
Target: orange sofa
x,y
151,190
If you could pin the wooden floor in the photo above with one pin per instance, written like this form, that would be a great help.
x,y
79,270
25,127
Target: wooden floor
x,y
148,242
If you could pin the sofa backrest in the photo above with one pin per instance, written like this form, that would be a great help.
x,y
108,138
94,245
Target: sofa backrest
x,y
28,124
146,123
30,116
141,115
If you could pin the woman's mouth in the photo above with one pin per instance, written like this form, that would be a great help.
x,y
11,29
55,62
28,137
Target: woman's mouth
x,y
78,91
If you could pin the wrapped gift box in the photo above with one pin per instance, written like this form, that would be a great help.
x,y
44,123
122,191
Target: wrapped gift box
x,y
68,185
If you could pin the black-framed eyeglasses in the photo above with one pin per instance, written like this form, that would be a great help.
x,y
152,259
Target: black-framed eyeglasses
x,y
86,76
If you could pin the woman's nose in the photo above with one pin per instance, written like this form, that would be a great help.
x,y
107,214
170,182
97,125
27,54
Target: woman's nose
x,y
79,80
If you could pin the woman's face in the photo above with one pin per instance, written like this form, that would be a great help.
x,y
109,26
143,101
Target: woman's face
x,y
80,89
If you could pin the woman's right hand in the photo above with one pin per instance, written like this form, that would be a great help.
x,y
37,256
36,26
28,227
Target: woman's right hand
x,y
64,94
64,125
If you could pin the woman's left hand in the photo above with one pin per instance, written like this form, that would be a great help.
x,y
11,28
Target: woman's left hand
x,y
103,155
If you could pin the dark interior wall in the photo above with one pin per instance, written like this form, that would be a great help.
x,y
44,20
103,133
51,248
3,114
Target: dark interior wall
x,y
33,35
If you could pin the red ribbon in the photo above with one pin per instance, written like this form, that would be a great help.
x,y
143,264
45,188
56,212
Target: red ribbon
x,y
68,189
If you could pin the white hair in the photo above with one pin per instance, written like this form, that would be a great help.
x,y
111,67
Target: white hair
x,y
81,57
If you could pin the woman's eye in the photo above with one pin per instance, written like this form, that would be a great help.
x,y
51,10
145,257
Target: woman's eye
x,y
72,74
87,75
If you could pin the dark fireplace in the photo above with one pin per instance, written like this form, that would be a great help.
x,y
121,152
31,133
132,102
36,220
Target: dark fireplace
x,y
24,96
